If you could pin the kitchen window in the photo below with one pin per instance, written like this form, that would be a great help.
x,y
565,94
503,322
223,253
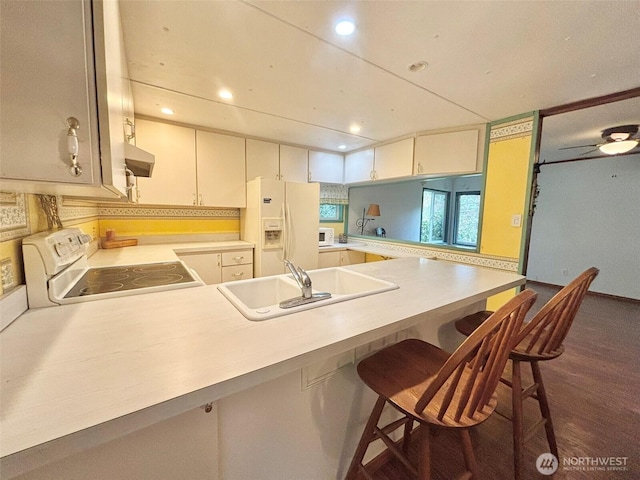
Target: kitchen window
x,y
433,225
467,214
331,212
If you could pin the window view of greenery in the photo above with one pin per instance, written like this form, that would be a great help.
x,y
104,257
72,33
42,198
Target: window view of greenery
x,y
434,216
439,224
331,213
467,215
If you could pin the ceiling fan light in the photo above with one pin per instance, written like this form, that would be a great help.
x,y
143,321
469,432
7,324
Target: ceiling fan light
x,y
614,148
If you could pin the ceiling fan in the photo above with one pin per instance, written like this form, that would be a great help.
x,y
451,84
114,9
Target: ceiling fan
x,y
616,140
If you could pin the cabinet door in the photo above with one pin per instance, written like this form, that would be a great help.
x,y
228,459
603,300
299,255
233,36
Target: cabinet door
x,y
358,166
173,181
350,257
294,164
394,160
220,170
208,266
451,152
263,160
329,259
47,76
326,167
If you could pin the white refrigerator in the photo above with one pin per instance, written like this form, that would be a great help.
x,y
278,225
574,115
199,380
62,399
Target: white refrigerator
x,y
282,221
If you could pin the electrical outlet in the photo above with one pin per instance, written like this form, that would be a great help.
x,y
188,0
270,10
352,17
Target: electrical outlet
x,y
516,220
565,272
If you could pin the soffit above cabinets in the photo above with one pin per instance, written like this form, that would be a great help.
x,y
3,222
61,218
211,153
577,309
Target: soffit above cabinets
x,y
296,81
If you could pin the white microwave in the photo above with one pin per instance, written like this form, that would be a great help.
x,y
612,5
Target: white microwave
x,y
325,237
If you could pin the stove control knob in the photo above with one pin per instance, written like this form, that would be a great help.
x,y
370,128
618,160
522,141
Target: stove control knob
x,y
61,249
84,238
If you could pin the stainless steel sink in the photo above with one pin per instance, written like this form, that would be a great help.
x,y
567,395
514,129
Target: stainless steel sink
x,y
259,298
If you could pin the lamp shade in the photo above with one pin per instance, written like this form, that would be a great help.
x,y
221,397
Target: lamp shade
x,y
614,148
373,210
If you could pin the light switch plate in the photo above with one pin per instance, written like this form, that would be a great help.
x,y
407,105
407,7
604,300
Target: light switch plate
x,y
516,220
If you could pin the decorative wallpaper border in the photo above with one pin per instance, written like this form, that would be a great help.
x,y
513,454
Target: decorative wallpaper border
x,y
509,130
155,212
14,217
70,210
497,263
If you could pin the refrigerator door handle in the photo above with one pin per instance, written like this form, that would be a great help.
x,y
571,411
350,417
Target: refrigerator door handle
x,y
288,227
285,233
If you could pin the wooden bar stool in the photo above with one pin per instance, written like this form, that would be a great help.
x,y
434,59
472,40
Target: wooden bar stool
x,y
437,389
539,340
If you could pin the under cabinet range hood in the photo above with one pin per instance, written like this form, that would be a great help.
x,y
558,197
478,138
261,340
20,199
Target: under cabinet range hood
x,y
138,161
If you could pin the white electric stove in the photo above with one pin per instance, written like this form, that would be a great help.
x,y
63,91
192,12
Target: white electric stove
x,y
57,273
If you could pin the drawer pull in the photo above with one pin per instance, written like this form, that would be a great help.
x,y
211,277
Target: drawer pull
x,y
238,259
239,274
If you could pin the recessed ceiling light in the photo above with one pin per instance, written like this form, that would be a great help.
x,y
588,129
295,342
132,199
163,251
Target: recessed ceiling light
x,y
167,111
418,66
345,27
354,128
226,94
342,147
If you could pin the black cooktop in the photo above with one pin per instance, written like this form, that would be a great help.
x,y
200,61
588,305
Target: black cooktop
x,y
129,277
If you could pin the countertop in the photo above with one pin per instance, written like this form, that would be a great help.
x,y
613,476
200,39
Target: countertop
x,y
80,373
161,252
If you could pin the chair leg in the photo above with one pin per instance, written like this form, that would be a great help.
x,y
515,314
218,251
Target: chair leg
x,y
424,453
517,414
406,437
367,437
469,456
544,409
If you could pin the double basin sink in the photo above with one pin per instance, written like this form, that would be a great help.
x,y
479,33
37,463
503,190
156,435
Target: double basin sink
x,y
260,298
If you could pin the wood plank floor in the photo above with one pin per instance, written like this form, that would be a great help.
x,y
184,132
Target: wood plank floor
x,y
593,389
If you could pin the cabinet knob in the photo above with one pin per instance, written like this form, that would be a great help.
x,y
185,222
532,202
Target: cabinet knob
x,y
194,198
201,201
419,167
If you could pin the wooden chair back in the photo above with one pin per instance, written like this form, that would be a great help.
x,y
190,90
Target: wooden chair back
x,y
544,334
471,374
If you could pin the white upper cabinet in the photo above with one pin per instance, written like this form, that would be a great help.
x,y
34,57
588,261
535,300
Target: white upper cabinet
x,y
263,160
277,162
449,152
326,167
294,164
174,174
192,167
49,75
394,160
220,170
358,166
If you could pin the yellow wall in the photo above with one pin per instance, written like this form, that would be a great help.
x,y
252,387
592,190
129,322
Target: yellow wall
x,y
505,195
159,226
507,181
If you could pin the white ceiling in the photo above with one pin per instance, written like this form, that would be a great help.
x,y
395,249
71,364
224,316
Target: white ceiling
x,y
296,81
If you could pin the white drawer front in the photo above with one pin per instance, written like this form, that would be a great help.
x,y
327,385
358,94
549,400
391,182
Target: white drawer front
x,y
237,258
237,272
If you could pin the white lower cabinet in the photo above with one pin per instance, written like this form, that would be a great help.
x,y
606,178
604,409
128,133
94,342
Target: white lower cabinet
x,y
339,258
208,266
237,265
218,267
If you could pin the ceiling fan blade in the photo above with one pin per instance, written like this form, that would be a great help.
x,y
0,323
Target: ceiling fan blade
x,y
580,146
590,151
